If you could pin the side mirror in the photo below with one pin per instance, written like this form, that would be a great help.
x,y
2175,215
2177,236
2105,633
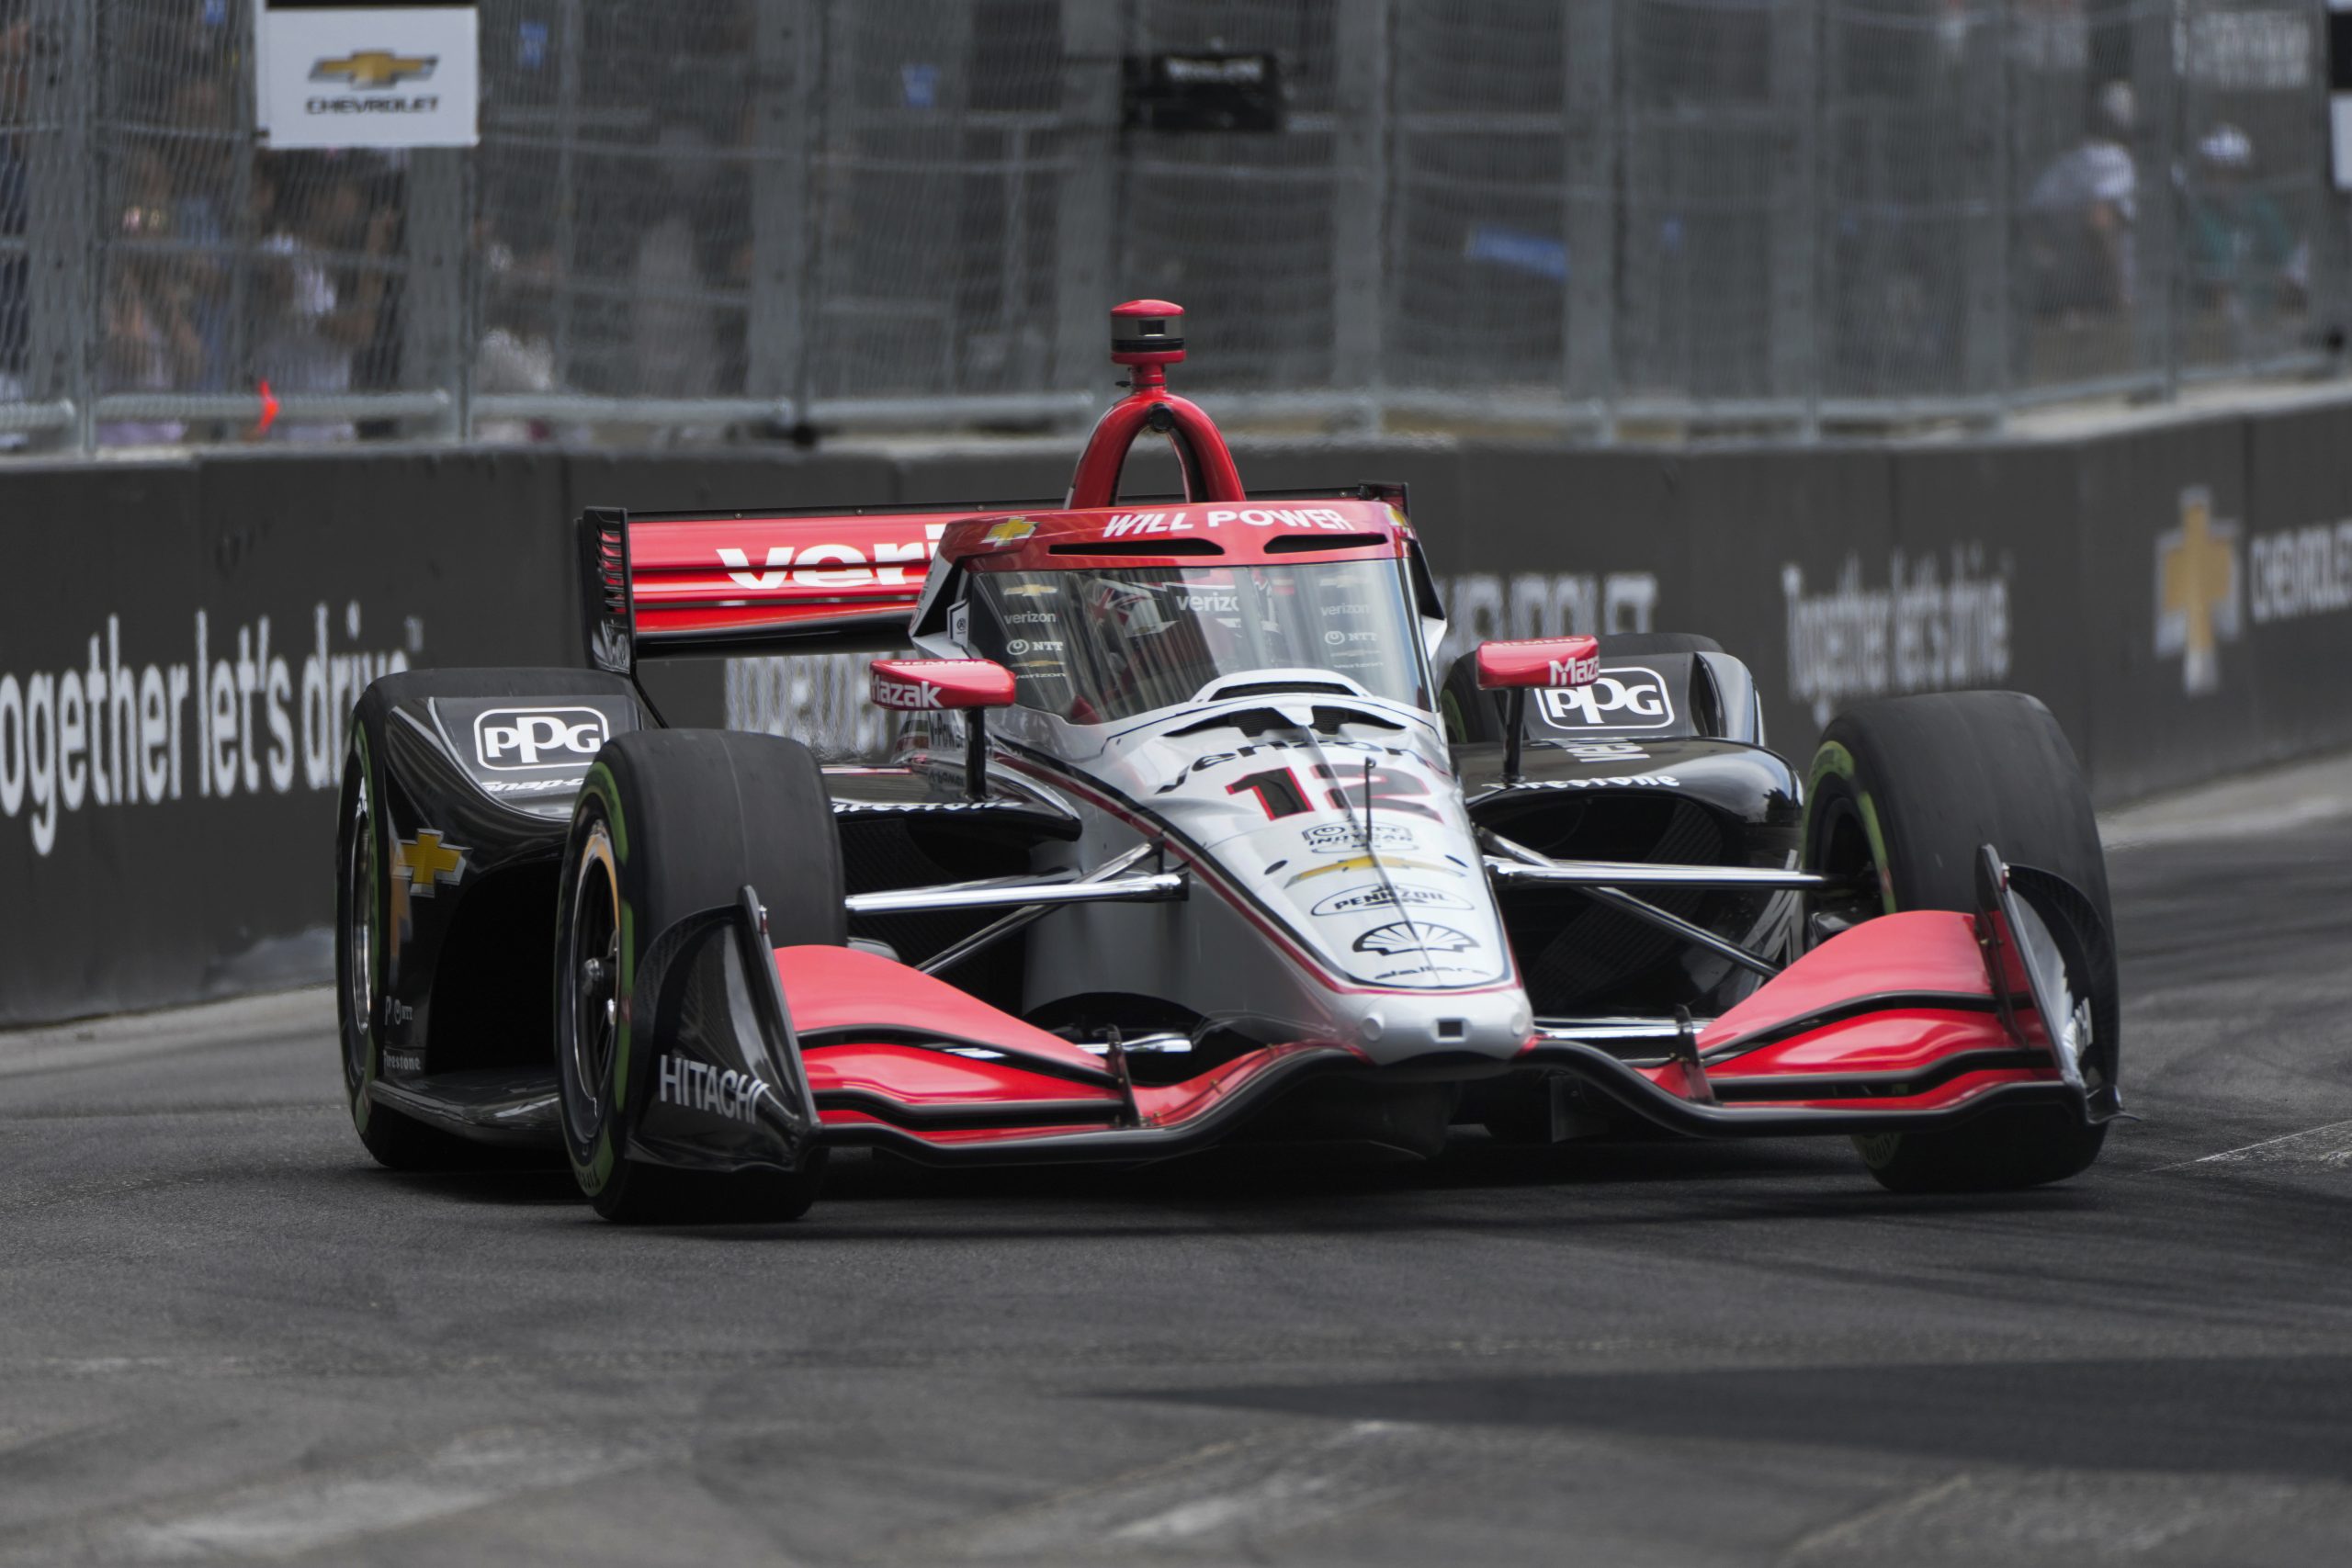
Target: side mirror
x,y
940,686
937,686
1537,664
1542,663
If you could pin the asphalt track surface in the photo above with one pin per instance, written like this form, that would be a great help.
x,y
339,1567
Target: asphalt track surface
x,y
225,1335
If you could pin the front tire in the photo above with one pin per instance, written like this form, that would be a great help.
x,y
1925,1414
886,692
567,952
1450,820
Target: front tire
x,y
363,915
668,824
1903,792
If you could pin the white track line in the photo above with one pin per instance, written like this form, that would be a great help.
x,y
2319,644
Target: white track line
x,y
2278,819
2323,1148
288,1518
1222,1498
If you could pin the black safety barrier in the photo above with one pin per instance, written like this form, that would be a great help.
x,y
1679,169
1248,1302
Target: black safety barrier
x,y
2180,595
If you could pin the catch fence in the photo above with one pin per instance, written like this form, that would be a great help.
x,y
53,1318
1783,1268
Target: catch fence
x,y
692,217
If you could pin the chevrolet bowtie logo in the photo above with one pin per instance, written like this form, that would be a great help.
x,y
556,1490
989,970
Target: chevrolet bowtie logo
x,y
371,68
1012,530
2197,591
424,863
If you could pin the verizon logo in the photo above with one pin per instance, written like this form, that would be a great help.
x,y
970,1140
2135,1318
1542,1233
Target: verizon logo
x,y
833,566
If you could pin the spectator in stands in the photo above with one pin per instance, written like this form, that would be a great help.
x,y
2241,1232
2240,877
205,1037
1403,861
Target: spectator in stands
x,y
310,322
516,354
2080,212
676,351
2242,253
150,343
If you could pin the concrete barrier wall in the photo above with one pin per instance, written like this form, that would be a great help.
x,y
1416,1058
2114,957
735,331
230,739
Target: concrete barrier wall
x,y
185,637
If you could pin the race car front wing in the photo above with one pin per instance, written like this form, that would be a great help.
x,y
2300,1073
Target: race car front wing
x,y
1907,1021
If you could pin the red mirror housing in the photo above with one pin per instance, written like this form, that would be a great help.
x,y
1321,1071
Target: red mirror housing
x,y
940,686
1539,663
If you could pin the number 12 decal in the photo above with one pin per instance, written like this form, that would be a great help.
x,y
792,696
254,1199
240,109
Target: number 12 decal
x,y
1283,793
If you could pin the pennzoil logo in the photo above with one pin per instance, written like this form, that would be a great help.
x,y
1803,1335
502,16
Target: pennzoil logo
x,y
373,70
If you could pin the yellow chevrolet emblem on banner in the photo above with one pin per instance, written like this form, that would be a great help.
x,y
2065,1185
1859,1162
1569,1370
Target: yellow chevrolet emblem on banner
x,y
369,68
2197,591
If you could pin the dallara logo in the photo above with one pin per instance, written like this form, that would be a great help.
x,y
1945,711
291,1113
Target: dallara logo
x,y
368,69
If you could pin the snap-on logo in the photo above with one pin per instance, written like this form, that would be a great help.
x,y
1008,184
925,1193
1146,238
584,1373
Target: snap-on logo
x,y
509,738
1624,698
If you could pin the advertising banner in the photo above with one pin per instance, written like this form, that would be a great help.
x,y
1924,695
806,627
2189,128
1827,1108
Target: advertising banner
x,y
336,73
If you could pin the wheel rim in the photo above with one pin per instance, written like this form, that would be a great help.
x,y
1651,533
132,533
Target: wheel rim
x,y
359,936
592,964
1841,847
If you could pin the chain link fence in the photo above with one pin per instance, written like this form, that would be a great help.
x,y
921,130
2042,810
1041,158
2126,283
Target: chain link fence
x,y
693,217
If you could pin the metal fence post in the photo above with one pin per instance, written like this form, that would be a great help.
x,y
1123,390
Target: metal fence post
x,y
62,301
570,20
436,350
2157,300
780,200
1798,221
1360,32
1588,214
1988,310
1090,151
2331,232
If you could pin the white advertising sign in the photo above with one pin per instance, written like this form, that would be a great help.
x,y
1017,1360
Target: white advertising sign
x,y
369,76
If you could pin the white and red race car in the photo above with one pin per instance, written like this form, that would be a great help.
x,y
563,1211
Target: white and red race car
x,y
1187,842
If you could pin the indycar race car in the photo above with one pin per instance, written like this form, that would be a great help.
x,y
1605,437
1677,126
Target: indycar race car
x,y
1184,842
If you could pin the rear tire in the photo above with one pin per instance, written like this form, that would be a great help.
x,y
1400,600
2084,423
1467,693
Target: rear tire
x,y
670,823
1905,789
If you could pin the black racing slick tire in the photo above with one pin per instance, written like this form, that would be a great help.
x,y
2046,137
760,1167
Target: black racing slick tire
x,y
1475,716
1901,792
668,824
362,925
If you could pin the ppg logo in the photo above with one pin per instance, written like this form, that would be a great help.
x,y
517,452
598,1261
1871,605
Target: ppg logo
x,y
1629,698
508,739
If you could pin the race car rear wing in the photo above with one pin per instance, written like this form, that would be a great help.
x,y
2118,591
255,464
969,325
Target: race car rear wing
x,y
839,580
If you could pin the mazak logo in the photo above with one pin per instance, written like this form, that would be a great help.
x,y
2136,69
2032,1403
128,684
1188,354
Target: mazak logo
x,y
1354,838
2198,592
1625,698
372,69
906,695
513,738
1575,672
1412,936
1362,900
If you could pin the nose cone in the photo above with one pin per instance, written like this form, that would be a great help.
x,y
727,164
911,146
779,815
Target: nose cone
x,y
1392,1027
